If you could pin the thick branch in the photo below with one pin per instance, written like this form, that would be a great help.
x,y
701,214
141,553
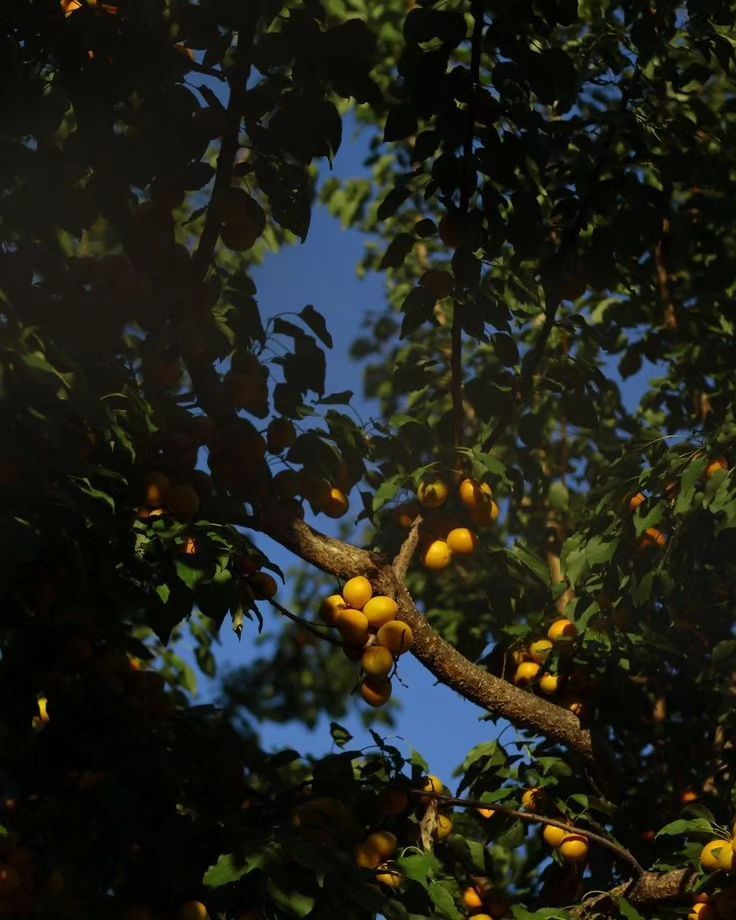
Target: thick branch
x,y
497,696
650,889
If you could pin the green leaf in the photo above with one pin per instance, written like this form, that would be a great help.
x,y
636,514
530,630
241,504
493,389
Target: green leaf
x,y
529,559
386,492
230,867
316,322
340,735
628,911
418,308
444,901
688,826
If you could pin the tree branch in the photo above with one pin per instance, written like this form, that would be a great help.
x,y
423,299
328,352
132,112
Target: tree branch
x,y
531,817
408,548
444,661
312,627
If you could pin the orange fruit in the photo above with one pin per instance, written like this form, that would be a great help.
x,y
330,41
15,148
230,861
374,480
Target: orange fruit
x,y
377,661
433,492
636,501
553,836
357,592
396,636
437,556
562,629
380,610
329,607
526,673
573,848
263,586
461,541
336,504
375,692
353,625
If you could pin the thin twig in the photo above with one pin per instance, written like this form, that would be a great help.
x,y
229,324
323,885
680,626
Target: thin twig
x,y
295,618
533,818
408,548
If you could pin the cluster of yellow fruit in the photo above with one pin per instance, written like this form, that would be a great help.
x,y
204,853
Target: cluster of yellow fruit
x,y
371,633
161,496
444,533
530,673
571,847
376,852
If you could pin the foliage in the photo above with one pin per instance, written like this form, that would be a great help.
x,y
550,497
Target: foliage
x,y
549,197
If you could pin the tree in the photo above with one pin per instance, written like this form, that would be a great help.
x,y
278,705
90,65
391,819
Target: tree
x,y
550,202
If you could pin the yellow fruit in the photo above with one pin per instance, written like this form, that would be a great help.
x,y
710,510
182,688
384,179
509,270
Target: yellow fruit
x,y
396,636
474,494
553,836
436,556
280,436
380,610
526,673
472,899
433,492
715,466
485,515
539,650
389,878
182,502
336,505
383,842
444,827
703,911
353,625
431,784
192,910
156,487
636,500
377,661
562,629
329,607
652,539
357,592
461,541
43,713
393,802
263,586
533,799
717,855
486,813
375,692
549,684
574,848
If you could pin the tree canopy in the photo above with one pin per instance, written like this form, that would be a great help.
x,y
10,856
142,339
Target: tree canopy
x,y
547,195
